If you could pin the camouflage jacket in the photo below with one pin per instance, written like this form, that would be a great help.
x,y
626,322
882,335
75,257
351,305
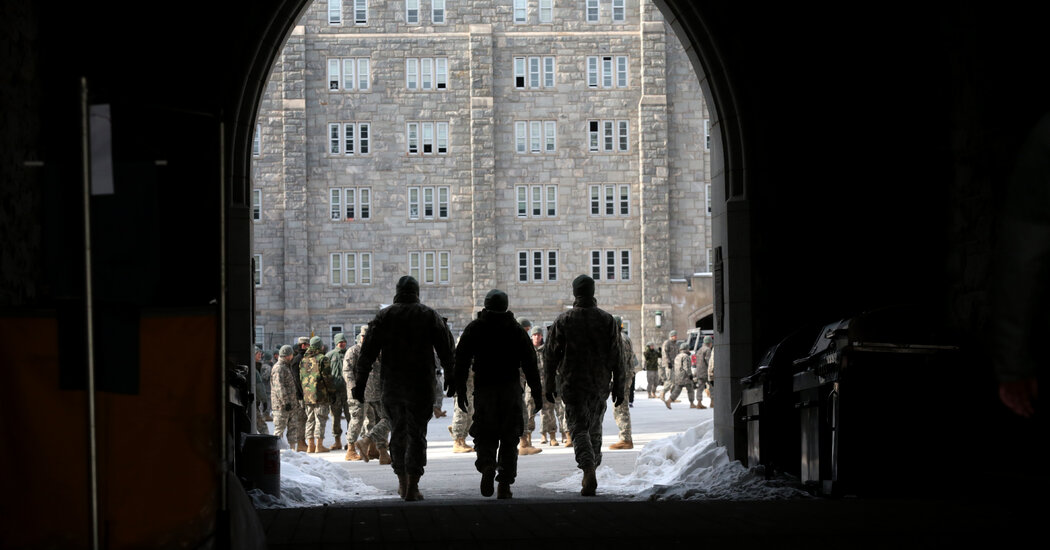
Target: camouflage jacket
x,y
374,386
583,346
669,350
282,386
683,369
702,361
335,362
652,358
316,377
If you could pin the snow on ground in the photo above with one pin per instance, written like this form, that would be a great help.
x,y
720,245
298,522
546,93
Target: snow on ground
x,y
310,481
686,466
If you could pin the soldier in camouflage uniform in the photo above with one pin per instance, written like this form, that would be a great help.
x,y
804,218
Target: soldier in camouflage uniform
x,y
652,369
583,345
338,406
462,420
300,418
316,376
668,350
282,397
356,417
529,407
548,414
407,333
701,371
376,433
622,412
682,376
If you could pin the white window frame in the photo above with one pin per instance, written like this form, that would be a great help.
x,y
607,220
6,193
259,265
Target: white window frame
x,y
335,79
550,136
257,141
623,71
441,138
412,73
428,134
610,200
349,204
594,135
609,136
444,202
521,78
441,73
412,138
545,270
707,134
546,7
608,79
520,12
426,74
348,139
709,263
412,11
707,197
593,71
364,74
549,72
257,270
535,72
256,205
535,136
360,12
521,136
350,268
414,210
430,267
335,12
536,201
608,265
623,136
437,12
619,11
608,71
591,11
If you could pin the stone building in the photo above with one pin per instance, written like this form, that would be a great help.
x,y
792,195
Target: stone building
x,y
478,145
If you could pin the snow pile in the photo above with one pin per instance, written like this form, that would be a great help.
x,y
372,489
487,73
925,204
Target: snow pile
x,y
687,466
310,481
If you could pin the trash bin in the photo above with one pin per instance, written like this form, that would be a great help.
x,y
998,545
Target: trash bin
x,y
772,423
868,395
260,463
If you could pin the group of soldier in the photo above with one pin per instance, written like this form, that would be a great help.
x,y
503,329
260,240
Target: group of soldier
x,y
501,374
673,368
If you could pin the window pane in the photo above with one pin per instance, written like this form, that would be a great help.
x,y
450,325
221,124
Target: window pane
x,y
428,137
548,72
428,202
364,131
610,265
596,265
537,265
412,73
441,78
442,137
333,139
545,11
523,267
593,134
442,202
351,268
552,200
549,135
413,137
362,74
256,204
335,266
428,267
534,72
519,11
535,136
622,133
348,138
607,72
351,203
443,267
618,11
333,74
523,208
366,203
552,266
621,71
625,200
413,203
257,140
257,275
426,67
366,268
519,136
608,135
412,11
335,12
335,204
438,14
610,199
413,265
592,72
625,265
519,72
537,201
592,11
595,200
348,74
361,12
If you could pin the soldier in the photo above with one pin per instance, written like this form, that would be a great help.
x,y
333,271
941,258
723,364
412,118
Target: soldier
x,y
316,376
338,406
668,352
262,391
374,439
462,419
622,412
652,368
494,347
682,376
282,397
407,333
529,408
583,345
300,349
702,380
356,415
548,415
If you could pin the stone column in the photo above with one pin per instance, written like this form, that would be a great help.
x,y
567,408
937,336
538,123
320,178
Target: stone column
x,y
294,185
653,185
482,164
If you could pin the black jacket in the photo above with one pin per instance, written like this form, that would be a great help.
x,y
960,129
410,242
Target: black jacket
x,y
498,350
583,347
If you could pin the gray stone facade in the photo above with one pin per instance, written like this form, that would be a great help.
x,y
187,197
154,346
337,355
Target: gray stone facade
x,y
663,230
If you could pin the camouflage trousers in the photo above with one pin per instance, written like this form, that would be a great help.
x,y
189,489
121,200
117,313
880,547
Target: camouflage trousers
x,y
461,420
652,380
355,419
286,423
559,409
548,417
496,430
340,410
585,415
300,419
439,393
676,390
622,412
316,418
378,424
408,435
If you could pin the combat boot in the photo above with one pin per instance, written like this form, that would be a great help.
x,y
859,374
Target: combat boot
x,y
373,449
338,444
487,477
412,493
525,449
384,456
692,405
553,440
320,448
363,446
543,438
568,439
668,403
302,447
590,483
622,444
402,484
503,491
351,453
438,413
460,446
310,446
700,405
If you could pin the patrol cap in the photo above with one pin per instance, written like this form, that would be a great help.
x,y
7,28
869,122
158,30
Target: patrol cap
x,y
708,339
340,338
672,333
315,341
683,345
257,349
303,340
524,322
536,330
285,351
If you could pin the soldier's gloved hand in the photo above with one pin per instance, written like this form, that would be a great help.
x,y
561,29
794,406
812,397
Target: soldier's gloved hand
x,y
617,398
287,407
552,396
358,392
537,399
461,400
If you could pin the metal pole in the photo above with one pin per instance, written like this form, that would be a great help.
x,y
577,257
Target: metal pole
x,y
224,390
85,152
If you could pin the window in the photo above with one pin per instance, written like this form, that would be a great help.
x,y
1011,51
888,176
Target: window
x,y
335,12
430,267
540,72
341,74
592,11
437,12
428,203
412,74
610,200
256,205
441,73
257,141
618,12
536,201
260,335
426,74
362,74
257,269
614,136
519,11
707,134
427,137
546,11
611,265
360,12
350,268
707,196
412,12
349,138
541,136
709,264
537,266
349,204
610,71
